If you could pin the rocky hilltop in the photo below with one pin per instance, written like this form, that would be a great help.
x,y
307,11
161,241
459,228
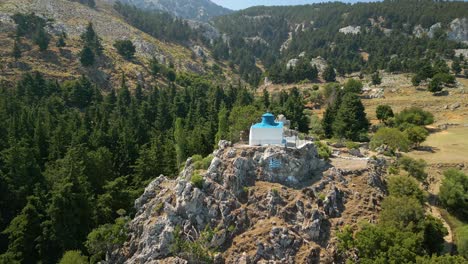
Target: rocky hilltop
x,y
259,204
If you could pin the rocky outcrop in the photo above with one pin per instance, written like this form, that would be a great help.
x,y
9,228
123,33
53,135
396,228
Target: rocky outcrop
x,y
292,63
350,30
459,29
202,10
263,203
320,63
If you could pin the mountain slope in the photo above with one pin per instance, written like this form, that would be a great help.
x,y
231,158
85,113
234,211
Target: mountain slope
x,y
341,33
202,10
72,18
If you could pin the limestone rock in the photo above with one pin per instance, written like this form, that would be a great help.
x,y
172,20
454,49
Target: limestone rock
x,y
459,29
350,30
259,212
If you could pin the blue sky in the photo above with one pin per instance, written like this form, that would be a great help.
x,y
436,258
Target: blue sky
x,y
241,4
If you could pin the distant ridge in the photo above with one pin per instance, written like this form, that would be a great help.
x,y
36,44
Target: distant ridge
x,y
201,10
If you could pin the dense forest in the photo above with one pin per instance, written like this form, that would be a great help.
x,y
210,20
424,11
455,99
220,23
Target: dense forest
x,y
158,24
386,35
71,158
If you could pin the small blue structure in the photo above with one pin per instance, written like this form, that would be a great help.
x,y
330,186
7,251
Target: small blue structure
x,y
267,132
275,164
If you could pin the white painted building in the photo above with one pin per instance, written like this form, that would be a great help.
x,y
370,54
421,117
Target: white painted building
x,y
267,132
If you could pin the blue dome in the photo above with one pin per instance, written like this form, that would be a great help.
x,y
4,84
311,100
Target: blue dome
x,y
268,121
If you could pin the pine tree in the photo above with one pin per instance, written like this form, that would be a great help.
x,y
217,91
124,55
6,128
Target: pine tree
x,y
223,125
91,3
329,74
294,111
180,141
61,40
266,99
87,57
71,203
456,67
24,232
42,39
376,80
350,121
124,96
92,40
16,52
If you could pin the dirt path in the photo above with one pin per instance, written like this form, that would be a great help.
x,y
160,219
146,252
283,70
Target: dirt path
x,y
434,210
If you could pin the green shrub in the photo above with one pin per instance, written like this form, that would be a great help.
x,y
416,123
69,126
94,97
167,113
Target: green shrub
x,y
415,116
454,192
200,163
394,170
345,239
403,186
105,237
125,48
73,257
404,213
462,241
415,168
445,259
324,152
391,137
231,228
352,145
197,180
198,251
416,134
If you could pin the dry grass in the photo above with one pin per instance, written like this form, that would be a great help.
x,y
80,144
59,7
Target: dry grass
x,y
448,146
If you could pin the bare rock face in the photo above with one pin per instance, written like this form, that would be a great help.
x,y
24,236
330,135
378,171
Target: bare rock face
x,y
459,29
266,205
350,30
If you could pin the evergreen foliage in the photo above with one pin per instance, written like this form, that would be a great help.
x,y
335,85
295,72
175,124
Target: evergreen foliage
x,y
376,79
454,192
261,33
390,137
92,40
71,158
350,121
87,57
329,74
16,51
384,112
125,48
61,40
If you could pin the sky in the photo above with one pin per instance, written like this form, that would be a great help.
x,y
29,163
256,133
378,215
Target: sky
x,y
241,4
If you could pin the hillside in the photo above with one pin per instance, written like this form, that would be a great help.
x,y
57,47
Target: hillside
x,y
401,31
201,10
72,18
129,134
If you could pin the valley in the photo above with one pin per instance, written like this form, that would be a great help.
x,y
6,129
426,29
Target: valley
x,y
157,131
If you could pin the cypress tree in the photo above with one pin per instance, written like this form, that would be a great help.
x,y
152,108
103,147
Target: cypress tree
x,y
41,39
87,57
180,141
350,121
92,40
24,232
223,124
376,80
61,40
329,74
16,52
